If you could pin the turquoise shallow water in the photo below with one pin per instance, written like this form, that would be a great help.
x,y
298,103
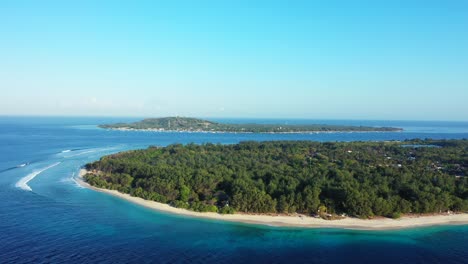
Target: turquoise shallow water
x,y
59,222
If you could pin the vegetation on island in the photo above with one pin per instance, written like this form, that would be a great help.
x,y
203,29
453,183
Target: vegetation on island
x,y
361,179
199,125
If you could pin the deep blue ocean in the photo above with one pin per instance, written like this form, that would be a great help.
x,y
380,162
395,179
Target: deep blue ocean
x,y
51,219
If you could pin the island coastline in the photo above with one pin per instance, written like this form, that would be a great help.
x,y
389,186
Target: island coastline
x,y
160,130
301,221
190,124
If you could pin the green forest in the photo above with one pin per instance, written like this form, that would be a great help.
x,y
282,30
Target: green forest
x,y
359,179
195,124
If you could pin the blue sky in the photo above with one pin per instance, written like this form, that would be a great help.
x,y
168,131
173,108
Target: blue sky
x,y
285,59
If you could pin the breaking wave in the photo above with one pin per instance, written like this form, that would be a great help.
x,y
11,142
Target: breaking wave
x,y
23,182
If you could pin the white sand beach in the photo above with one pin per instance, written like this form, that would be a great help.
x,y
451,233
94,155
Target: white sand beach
x,y
298,220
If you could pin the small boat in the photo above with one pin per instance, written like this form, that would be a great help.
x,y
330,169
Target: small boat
x,y
23,165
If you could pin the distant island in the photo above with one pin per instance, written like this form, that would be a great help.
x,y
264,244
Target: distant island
x,y
187,124
329,180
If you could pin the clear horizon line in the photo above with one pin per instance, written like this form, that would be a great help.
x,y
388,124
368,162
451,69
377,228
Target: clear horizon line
x,y
228,117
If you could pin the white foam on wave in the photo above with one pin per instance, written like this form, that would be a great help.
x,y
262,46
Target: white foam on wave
x,y
81,153
77,184
23,182
68,179
65,151
89,151
72,179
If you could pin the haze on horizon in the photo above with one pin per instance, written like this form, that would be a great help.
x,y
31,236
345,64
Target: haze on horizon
x,y
405,60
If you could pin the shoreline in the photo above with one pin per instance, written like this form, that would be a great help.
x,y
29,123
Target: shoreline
x,y
245,132
302,221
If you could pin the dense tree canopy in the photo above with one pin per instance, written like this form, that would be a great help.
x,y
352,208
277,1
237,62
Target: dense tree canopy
x,y
362,179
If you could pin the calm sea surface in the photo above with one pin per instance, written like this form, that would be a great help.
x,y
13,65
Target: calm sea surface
x,y
50,219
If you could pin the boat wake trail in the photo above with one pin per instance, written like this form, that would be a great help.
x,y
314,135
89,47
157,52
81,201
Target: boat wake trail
x,y
23,182
18,166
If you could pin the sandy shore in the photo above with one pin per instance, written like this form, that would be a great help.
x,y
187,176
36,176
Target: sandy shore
x,y
296,221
